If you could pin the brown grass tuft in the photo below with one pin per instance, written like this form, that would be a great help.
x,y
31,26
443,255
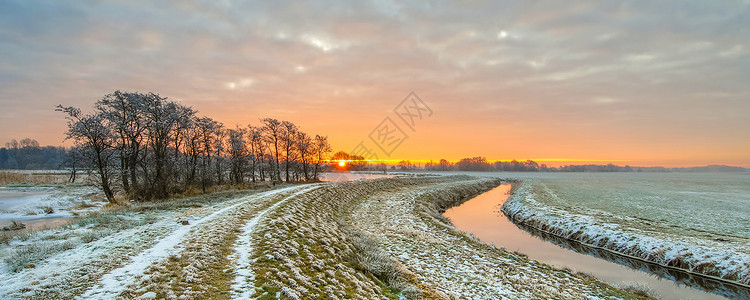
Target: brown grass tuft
x,y
16,177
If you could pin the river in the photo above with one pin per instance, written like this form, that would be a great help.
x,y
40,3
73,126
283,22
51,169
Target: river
x,y
481,216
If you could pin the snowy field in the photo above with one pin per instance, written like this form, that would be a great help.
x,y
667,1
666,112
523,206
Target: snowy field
x,y
364,239
694,221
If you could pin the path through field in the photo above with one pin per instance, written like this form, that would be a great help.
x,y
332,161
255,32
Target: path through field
x,y
111,284
110,266
243,286
365,239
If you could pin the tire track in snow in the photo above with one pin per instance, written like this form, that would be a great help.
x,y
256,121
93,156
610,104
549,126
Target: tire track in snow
x,y
244,287
113,283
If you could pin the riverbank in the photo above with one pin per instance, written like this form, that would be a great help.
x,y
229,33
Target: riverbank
x,y
723,259
441,261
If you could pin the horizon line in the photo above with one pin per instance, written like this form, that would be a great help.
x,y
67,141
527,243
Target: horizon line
x,y
394,162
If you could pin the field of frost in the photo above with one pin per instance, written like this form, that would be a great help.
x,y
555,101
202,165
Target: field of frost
x,y
365,239
118,249
698,222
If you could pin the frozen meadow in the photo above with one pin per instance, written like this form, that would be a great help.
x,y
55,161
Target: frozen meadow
x,y
698,222
365,239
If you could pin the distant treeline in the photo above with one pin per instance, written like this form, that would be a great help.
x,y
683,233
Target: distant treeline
x,y
28,155
481,164
149,148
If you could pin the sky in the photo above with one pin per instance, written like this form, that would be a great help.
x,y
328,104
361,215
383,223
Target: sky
x,y
631,82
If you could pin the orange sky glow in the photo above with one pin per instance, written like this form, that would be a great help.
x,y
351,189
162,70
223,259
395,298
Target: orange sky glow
x,y
640,84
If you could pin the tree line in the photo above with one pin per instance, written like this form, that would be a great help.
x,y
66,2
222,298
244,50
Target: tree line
x,y
481,164
26,154
149,147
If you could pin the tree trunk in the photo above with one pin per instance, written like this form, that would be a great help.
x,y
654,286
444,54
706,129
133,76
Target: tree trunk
x,y
100,164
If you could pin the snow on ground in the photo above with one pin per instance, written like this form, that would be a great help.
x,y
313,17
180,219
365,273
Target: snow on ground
x,y
131,240
385,238
112,285
204,268
296,242
69,272
720,258
453,262
244,286
353,175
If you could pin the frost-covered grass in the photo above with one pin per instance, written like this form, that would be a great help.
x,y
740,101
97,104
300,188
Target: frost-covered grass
x,y
306,249
687,204
197,236
452,264
31,247
25,256
244,282
203,268
386,239
368,239
697,222
639,290
76,255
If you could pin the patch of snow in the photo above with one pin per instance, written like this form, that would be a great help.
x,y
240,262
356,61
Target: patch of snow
x,y
65,271
243,283
113,283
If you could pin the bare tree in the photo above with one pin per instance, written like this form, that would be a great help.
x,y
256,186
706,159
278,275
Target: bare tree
x,y
288,135
13,144
272,128
184,133
321,148
29,143
124,114
151,147
257,151
219,153
96,142
207,129
73,160
238,154
161,119
305,147
192,150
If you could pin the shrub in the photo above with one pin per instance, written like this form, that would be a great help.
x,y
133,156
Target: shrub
x,y
92,235
14,225
27,255
84,204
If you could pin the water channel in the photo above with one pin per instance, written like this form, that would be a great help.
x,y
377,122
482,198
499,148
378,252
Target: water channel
x,y
482,217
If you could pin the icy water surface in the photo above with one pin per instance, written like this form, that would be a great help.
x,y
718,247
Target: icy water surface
x,y
12,200
481,216
24,204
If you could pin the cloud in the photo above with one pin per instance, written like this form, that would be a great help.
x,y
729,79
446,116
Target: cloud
x,y
478,60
